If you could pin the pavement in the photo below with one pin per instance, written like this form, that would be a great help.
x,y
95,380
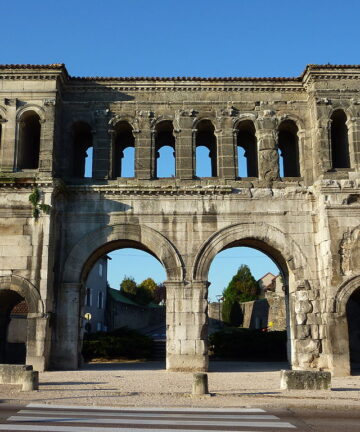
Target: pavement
x,y
148,384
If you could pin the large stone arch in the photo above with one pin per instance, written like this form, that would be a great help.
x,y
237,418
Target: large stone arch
x,y
82,257
278,245
99,242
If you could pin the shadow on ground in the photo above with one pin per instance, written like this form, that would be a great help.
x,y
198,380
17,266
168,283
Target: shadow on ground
x,y
214,366
136,366
241,366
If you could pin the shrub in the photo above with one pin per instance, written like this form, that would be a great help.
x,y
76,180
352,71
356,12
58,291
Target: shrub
x,y
249,344
231,313
122,342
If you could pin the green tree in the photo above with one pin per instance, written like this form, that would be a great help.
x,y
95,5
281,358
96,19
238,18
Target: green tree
x,y
128,287
242,288
146,291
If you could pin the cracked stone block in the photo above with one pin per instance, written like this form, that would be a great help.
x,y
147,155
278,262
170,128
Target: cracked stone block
x,y
305,380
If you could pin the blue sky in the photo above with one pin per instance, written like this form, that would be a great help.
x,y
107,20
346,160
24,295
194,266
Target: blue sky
x,y
182,38
140,265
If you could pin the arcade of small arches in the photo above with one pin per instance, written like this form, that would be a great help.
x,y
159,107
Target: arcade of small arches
x,y
204,142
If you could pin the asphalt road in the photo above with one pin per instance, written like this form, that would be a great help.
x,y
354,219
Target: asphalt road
x,y
56,418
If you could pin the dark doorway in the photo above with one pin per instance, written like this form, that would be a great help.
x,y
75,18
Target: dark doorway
x,y
353,319
13,327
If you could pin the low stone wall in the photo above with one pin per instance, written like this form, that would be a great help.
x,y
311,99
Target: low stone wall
x,y
19,374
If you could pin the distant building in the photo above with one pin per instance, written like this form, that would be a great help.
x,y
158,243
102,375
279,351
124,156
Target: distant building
x,y
122,311
95,296
270,310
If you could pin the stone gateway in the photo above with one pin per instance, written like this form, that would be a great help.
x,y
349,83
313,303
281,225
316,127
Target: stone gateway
x,y
284,178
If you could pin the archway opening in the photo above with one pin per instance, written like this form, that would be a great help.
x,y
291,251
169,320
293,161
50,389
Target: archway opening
x,y
13,327
124,151
340,156
124,297
28,150
353,320
82,150
248,305
288,149
206,150
247,150
164,150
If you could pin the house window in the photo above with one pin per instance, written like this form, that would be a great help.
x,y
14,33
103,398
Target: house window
x,y
99,326
100,270
100,300
88,297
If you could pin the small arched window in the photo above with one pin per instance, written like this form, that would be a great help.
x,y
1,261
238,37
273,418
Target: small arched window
x,y
28,148
164,150
206,150
288,149
83,150
247,150
124,151
340,156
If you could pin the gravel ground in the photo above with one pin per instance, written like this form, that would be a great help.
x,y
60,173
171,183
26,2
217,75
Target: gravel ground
x,y
232,384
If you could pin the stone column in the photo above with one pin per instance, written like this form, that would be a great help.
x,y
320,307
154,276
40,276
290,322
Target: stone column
x,y
337,344
144,152
102,154
38,341
267,145
65,354
8,138
47,138
321,124
353,125
226,148
186,317
184,150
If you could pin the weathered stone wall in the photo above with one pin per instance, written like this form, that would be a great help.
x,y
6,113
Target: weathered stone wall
x,y
308,224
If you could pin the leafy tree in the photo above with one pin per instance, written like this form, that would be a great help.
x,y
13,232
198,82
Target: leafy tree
x,y
242,287
128,287
149,285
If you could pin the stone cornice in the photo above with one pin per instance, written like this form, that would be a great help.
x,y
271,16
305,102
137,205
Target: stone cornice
x,y
189,84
